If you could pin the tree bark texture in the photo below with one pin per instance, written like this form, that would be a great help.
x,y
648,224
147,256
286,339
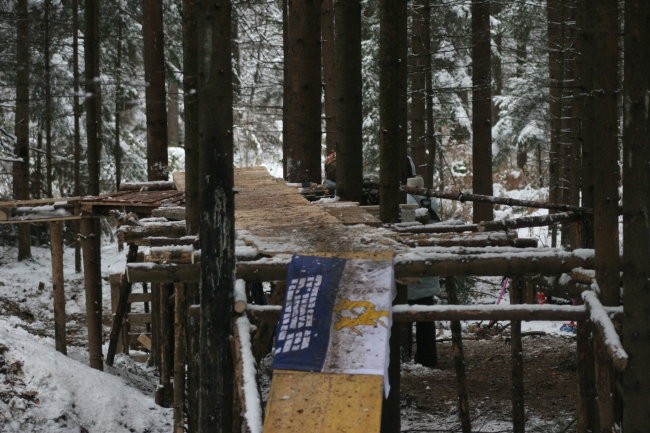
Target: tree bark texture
x,y
217,230
48,96
76,110
58,292
451,287
588,63
481,108
417,75
430,137
606,170
636,205
347,72
21,128
154,76
517,359
303,110
119,103
91,242
93,95
191,106
554,26
392,106
329,82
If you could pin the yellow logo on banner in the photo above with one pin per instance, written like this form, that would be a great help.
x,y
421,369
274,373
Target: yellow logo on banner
x,y
360,313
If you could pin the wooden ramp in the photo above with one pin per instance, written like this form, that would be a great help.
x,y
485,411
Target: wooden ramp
x,y
319,402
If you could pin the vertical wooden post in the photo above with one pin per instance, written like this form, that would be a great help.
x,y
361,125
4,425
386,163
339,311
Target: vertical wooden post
x,y
586,382
180,312
192,351
604,386
516,348
155,324
90,239
390,414
459,359
56,241
124,290
115,281
166,345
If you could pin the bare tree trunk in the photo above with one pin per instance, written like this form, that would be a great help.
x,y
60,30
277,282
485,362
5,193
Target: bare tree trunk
x,y
93,283
21,169
606,170
58,292
417,75
392,106
154,75
217,232
192,194
303,114
173,128
554,25
190,102
481,108
93,95
48,97
430,139
636,229
76,109
349,151
119,103
589,62
329,82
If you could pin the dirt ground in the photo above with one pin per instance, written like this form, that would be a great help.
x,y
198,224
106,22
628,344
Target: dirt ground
x,y
429,396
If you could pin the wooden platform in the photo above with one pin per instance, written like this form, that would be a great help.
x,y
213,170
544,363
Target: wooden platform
x,y
316,402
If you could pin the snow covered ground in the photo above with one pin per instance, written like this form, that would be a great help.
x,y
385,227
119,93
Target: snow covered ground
x,y
42,390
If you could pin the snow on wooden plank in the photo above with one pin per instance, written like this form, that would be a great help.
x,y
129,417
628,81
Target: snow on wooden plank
x,y
600,318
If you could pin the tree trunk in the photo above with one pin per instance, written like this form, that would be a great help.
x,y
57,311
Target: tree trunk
x,y
636,230
119,102
349,151
217,232
48,97
589,62
93,283
76,110
392,106
154,76
303,113
606,170
329,82
173,127
481,108
417,75
190,102
93,96
58,291
554,25
430,137
21,169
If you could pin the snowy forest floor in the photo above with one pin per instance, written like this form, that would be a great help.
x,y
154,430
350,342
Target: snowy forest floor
x,y
44,391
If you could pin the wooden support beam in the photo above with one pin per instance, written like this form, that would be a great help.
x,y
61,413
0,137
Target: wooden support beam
x,y
530,221
180,311
435,228
58,291
423,313
251,402
517,286
460,196
164,392
239,295
135,234
459,360
174,213
159,185
606,330
170,254
469,242
118,318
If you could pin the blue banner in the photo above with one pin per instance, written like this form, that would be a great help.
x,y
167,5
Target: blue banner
x,y
303,332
